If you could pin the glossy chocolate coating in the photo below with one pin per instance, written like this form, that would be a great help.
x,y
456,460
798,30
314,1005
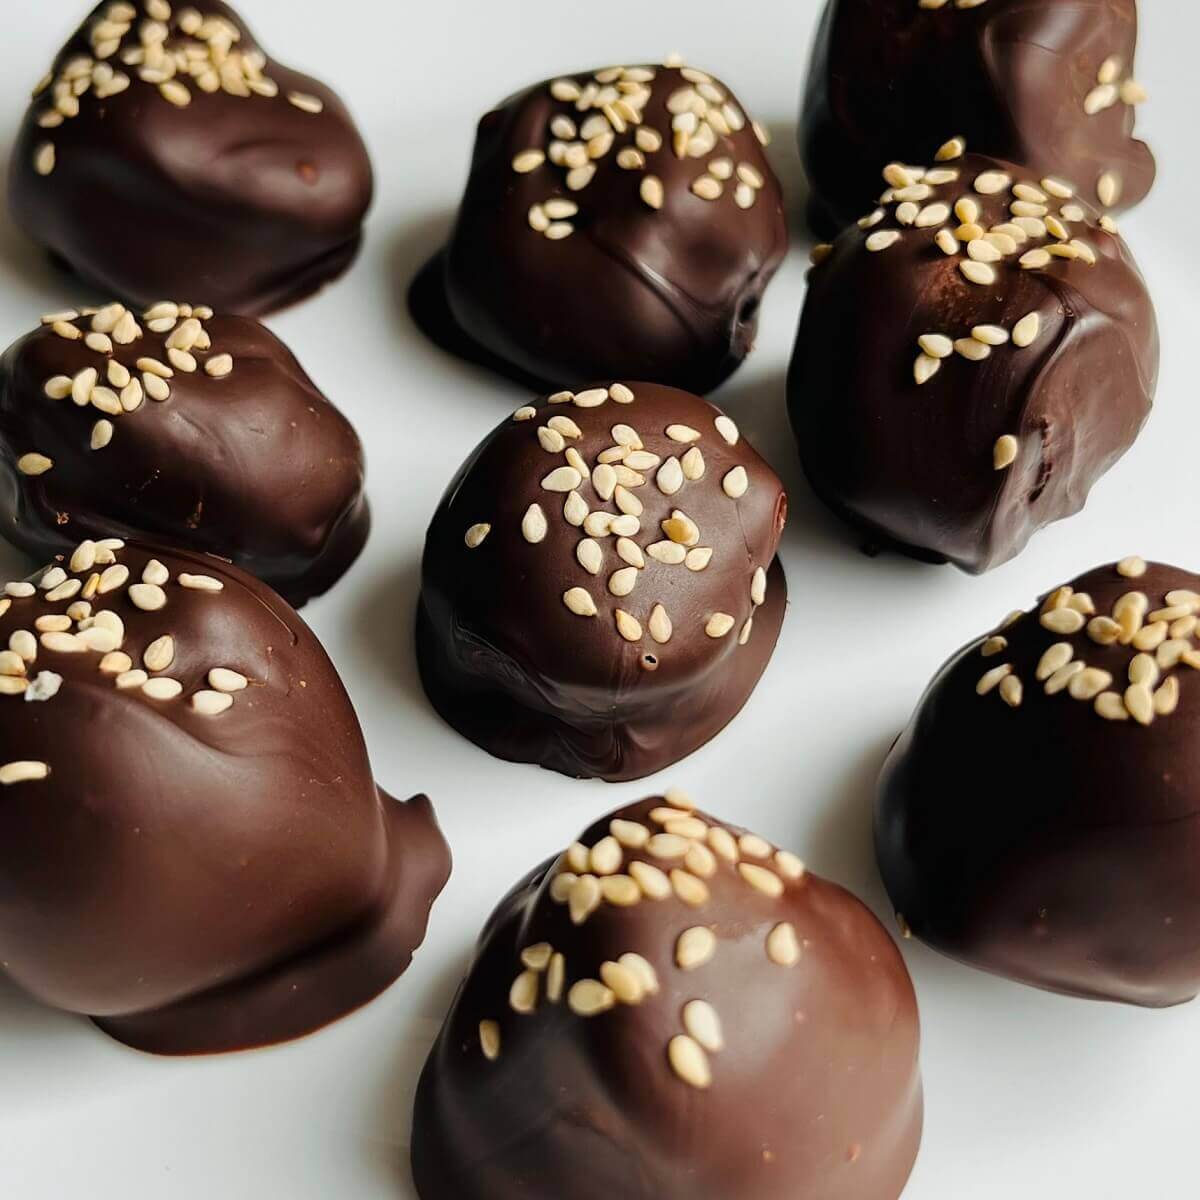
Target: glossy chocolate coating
x,y
254,465
512,667
668,294
914,465
1045,842
195,880
814,1088
243,198
892,80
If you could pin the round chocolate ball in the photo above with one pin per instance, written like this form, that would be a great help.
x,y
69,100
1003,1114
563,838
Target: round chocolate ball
x,y
193,851
175,424
600,592
1037,819
973,356
674,1008
622,222
1050,85
165,154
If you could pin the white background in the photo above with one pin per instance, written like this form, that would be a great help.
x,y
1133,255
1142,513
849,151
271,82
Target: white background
x,y
1028,1094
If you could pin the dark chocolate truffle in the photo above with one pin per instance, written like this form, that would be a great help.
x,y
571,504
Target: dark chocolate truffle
x,y
193,851
600,592
1047,84
972,357
1038,818
183,426
674,1009
624,222
165,154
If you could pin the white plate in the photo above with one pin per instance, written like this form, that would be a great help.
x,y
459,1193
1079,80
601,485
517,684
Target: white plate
x,y
1028,1094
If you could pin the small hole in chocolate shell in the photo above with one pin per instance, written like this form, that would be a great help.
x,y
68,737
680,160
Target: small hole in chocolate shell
x,y
308,172
649,662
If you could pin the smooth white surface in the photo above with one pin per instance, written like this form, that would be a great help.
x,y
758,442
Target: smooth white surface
x,y
1028,1095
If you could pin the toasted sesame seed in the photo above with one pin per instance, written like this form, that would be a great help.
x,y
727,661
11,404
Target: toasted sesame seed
x,y
736,483
956,147
476,534
590,998
1005,452
652,191
990,183
925,367
718,625
1132,567
160,654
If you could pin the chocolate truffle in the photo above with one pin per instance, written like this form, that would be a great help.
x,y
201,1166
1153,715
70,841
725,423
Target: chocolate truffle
x,y
165,154
183,426
973,356
600,592
193,851
674,1008
1049,84
1037,819
622,222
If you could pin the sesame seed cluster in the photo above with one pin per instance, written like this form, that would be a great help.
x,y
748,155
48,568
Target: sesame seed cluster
x,y
124,376
89,586
1161,642
1045,227
614,539
603,119
689,852
167,48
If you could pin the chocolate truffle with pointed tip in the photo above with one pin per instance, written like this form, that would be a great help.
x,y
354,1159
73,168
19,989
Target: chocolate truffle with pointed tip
x,y
178,425
193,851
973,356
622,222
600,592
165,154
1050,85
1037,819
675,1009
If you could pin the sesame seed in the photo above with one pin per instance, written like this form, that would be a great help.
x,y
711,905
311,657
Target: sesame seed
x,y
201,583
978,272
971,349
695,948
589,998
534,526
882,240
761,879
44,158
956,147
476,534
1132,567
736,483
23,771
718,625
703,1025
992,182
160,654
305,102
34,464
1005,452
1108,188
689,1062
1026,330
783,947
